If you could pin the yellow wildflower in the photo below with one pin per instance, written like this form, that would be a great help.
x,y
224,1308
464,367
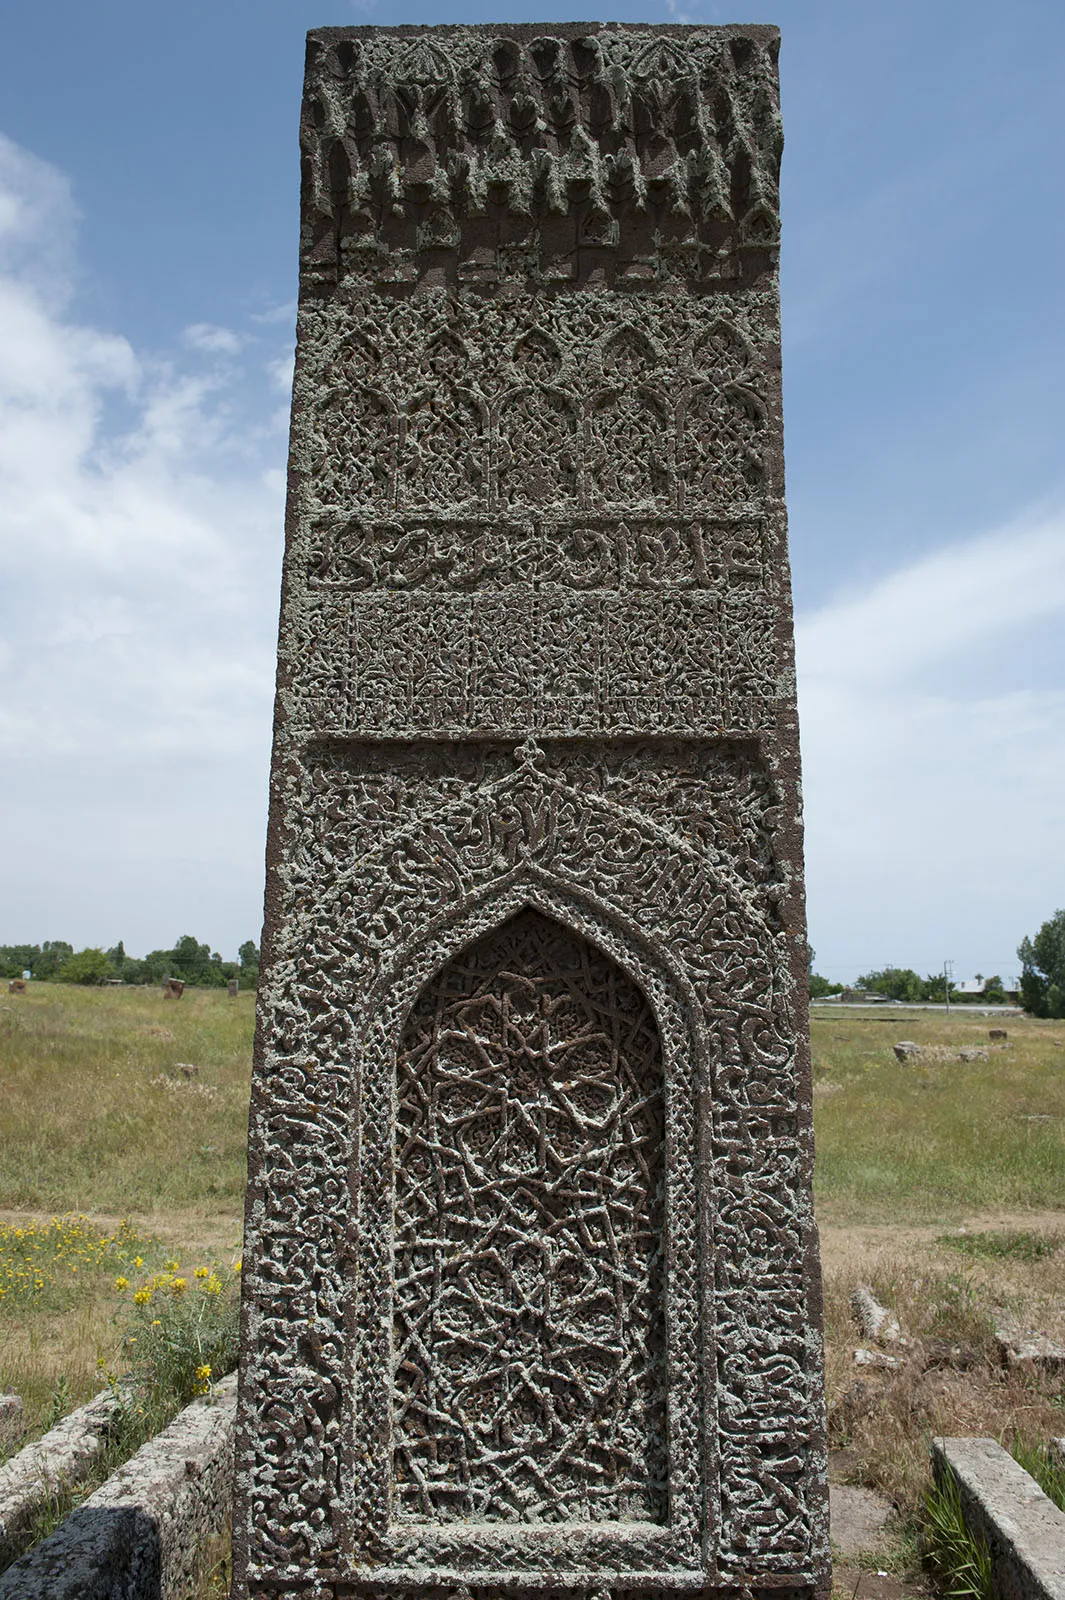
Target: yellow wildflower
x,y
179,1285
142,1297
121,1284
201,1272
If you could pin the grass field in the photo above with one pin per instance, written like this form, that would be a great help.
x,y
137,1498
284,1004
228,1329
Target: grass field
x,y
939,1138
99,1115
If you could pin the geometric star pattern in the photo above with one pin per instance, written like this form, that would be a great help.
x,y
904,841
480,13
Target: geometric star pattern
x,y
529,1346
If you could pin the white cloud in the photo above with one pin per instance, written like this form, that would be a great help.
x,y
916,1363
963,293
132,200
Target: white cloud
x,y
286,312
954,599
37,223
280,371
139,564
211,339
933,812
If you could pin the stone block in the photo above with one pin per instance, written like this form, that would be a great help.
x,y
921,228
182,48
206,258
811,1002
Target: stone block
x,y
63,1456
532,1294
875,1320
1028,1347
138,1537
1002,1504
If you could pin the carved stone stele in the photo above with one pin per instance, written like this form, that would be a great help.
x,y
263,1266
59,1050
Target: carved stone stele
x,y
531,1285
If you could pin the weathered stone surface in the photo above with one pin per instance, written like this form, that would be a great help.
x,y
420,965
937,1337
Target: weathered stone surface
x,y
875,1320
905,1049
531,1290
1028,1347
138,1537
875,1358
1024,1530
61,1457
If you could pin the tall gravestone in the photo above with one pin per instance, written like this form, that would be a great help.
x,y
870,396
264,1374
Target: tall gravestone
x,y
531,1295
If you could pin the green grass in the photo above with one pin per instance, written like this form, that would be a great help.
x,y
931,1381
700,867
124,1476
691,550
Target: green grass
x,y
96,1117
959,1559
1048,1472
1002,1246
937,1138
95,1114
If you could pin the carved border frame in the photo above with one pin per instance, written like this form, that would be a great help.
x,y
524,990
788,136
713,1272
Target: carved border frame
x,y
685,927
459,1554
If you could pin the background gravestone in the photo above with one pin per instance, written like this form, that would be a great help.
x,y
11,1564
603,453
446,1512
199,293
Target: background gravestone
x,y
531,1293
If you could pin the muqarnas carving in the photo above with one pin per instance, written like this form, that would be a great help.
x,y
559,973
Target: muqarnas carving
x,y
531,1286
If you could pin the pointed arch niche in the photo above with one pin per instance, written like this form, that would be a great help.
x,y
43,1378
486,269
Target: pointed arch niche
x,y
529,1238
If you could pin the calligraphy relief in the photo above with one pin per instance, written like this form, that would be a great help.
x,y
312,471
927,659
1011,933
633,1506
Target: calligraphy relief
x,y
486,553
529,1344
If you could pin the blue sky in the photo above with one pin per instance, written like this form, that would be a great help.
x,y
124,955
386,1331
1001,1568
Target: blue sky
x,y
148,223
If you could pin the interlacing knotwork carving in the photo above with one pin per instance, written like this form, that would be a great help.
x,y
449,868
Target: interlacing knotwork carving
x,y
529,1336
656,829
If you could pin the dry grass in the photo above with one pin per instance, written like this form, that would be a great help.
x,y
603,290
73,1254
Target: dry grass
x,y
952,1379
907,1155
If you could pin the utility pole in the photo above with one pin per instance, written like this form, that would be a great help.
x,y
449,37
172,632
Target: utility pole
x,y
948,968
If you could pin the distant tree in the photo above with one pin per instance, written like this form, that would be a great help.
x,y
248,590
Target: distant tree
x,y
197,964
128,968
53,953
819,987
934,987
15,959
994,991
157,965
249,964
1043,969
87,966
897,983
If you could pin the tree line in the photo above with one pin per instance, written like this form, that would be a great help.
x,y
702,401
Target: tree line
x,y
902,983
1042,978
193,963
